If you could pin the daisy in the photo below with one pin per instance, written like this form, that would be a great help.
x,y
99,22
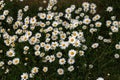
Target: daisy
x,y
47,57
18,31
82,14
47,40
26,8
113,18
107,40
93,6
73,7
54,37
77,43
32,27
16,61
98,24
37,47
52,58
59,54
26,48
114,29
116,56
42,44
2,17
100,78
10,62
68,10
84,47
71,61
24,38
85,5
81,53
1,63
42,24
42,54
96,17
80,34
49,29
54,45
24,27
71,68
48,35
109,9
64,45
84,27
7,71
72,53
100,37
77,11
45,69
37,53
62,61
33,20
108,23
28,33
92,30
24,76
6,36
71,39
86,21
74,33
34,70
55,32
9,20
47,23
42,15
32,40
95,45
68,16
31,75
49,16
40,8
47,47
60,71
117,46
115,23
10,53
55,24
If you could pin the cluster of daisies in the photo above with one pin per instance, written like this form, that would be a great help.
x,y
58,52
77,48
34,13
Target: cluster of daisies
x,y
54,37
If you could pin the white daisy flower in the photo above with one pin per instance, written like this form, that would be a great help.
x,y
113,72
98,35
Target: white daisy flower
x,y
86,21
72,39
100,78
71,61
35,70
62,61
60,71
45,69
59,54
72,53
85,5
95,45
109,9
1,63
116,56
71,68
24,76
117,46
16,61
64,45
10,53
37,53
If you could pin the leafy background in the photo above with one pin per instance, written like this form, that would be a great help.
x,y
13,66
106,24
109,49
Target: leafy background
x,y
102,58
